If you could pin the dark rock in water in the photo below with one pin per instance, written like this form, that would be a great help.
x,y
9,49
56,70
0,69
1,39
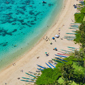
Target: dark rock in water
x,y
23,3
29,26
1,43
37,13
23,7
17,13
21,21
32,23
50,4
7,2
35,19
9,7
19,16
35,7
14,19
14,30
13,23
31,12
27,2
20,12
4,44
9,21
30,6
3,22
9,33
28,21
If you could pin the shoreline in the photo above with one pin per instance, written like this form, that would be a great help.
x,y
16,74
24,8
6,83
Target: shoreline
x,y
35,51
27,48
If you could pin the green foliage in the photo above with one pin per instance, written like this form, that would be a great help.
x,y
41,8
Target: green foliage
x,y
80,36
73,71
60,80
48,76
79,17
83,10
69,73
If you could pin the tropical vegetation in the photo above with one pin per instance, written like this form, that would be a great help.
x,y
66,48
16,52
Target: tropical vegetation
x,y
73,71
79,17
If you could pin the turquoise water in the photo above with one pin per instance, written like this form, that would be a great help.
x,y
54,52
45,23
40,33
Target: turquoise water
x,y
22,24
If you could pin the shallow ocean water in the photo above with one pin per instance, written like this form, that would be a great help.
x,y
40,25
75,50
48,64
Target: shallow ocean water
x,y
22,23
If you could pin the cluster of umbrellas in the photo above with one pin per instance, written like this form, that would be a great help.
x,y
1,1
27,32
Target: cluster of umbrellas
x,y
56,36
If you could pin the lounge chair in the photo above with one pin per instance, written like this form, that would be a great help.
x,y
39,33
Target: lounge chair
x,y
57,61
60,55
25,78
30,75
40,69
52,65
41,66
48,65
61,59
34,73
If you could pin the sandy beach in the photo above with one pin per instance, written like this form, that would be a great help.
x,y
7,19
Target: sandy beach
x,y
29,61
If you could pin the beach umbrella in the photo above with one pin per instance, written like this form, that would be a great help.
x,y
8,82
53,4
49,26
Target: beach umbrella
x,y
55,48
56,36
45,52
53,38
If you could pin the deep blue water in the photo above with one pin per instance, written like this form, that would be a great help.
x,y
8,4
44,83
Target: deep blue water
x,y
22,22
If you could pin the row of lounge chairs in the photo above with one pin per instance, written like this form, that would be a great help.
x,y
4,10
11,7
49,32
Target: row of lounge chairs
x,y
70,33
33,75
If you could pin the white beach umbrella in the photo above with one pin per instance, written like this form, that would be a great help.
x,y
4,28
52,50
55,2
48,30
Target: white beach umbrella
x,y
57,36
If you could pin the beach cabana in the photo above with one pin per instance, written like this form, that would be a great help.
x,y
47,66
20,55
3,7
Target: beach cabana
x,y
57,36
